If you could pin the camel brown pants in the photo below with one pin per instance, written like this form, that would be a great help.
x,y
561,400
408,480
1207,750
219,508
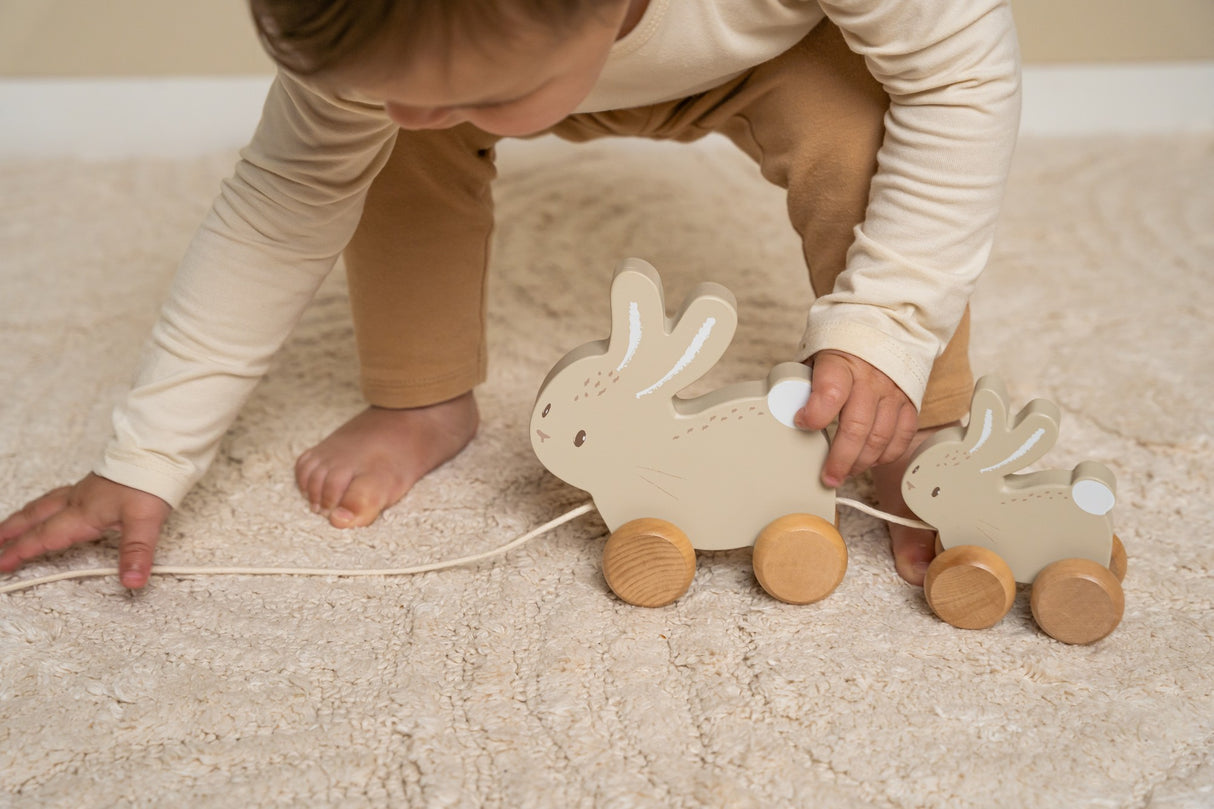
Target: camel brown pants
x,y
811,118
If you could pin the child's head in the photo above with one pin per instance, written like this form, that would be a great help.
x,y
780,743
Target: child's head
x,y
512,67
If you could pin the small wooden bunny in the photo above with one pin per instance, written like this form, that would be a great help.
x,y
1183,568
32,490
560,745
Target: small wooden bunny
x,y
995,528
669,475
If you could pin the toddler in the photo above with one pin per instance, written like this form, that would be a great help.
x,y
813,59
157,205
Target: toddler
x,y
890,124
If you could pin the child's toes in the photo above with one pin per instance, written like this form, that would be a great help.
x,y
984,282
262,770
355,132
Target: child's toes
x,y
913,552
305,468
333,490
311,481
363,501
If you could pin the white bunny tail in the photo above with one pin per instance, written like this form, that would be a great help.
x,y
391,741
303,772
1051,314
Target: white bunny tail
x,y
1093,497
786,398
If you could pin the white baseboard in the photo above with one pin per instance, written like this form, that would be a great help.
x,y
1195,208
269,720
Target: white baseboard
x,y
115,118
176,117
1123,99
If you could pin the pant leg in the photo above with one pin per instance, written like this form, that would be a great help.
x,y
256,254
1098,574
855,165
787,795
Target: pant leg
x,y
417,268
813,119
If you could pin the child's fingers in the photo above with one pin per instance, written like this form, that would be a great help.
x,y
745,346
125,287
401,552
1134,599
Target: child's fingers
x,y
904,434
82,513
881,434
33,513
140,534
876,419
829,390
833,395
58,532
855,426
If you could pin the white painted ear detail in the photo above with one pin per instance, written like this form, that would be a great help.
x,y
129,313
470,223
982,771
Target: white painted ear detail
x,y
786,398
1093,497
1016,455
697,343
635,332
987,423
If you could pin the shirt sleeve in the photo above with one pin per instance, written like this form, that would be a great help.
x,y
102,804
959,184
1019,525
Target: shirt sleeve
x,y
273,233
951,69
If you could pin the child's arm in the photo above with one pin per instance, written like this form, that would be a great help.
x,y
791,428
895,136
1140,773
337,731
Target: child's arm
x,y
951,70
271,236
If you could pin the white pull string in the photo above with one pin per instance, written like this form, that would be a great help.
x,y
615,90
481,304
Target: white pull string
x,y
158,570
881,515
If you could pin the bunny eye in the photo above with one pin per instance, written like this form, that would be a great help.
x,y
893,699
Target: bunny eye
x,y
580,438
936,492
914,471
547,408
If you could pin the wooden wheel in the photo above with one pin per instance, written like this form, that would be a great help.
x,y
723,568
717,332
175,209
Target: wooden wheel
x,y
649,562
970,587
1119,563
800,558
1077,601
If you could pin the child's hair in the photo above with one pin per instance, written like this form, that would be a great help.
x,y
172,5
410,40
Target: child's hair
x,y
310,36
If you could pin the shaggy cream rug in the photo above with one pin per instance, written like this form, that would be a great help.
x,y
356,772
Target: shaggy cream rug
x,y
522,682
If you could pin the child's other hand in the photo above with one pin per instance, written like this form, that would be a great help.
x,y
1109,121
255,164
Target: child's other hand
x,y
876,419
82,513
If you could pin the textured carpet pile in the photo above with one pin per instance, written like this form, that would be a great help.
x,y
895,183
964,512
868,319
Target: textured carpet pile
x,y
522,682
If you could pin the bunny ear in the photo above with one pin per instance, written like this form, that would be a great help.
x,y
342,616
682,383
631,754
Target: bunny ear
x,y
988,415
1035,431
703,330
638,310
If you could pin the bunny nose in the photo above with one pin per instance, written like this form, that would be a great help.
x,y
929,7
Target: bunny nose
x,y
543,435
909,486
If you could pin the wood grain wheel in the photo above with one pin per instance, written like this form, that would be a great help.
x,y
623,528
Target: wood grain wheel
x,y
1077,601
1119,562
970,587
649,562
800,558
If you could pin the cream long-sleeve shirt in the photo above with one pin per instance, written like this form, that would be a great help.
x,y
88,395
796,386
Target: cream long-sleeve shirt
x,y
950,67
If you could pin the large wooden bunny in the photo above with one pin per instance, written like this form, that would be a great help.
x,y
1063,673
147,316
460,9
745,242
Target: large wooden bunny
x,y
668,474
1050,528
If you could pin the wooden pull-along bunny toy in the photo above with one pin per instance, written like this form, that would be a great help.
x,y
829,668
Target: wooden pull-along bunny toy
x,y
728,469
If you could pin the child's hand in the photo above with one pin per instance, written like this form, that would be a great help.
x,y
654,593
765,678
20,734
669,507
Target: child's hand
x,y
876,419
82,513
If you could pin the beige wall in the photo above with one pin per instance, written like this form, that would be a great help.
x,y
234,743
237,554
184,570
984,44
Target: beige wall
x,y
215,37
1115,30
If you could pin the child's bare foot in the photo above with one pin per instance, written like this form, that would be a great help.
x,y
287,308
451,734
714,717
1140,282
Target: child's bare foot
x,y
913,548
371,461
